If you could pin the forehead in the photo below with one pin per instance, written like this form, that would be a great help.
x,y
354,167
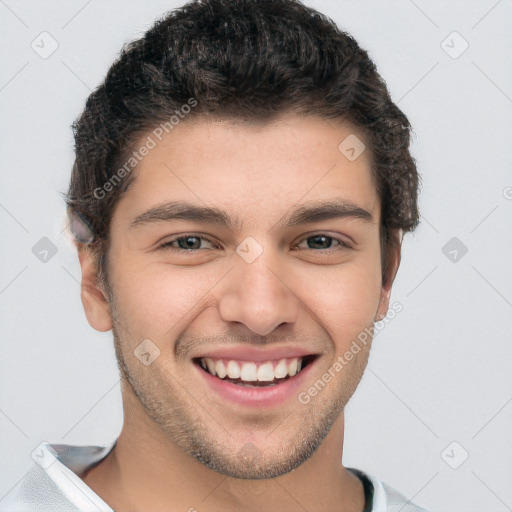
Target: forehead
x,y
256,170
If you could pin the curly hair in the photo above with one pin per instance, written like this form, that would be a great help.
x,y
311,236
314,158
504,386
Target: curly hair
x,y
249,60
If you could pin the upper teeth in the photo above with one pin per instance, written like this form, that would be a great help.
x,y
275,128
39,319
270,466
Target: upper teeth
x,y
251,371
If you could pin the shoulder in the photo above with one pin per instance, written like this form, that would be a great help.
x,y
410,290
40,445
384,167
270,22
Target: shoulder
x,y
398,502
53,484
386,498
37,492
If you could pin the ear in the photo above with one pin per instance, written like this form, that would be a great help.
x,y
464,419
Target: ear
x,y
94,298
394,256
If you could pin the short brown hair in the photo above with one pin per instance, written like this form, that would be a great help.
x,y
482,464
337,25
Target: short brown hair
x,y
247,60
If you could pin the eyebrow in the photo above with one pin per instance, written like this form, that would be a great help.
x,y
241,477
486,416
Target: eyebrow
x,y
303,214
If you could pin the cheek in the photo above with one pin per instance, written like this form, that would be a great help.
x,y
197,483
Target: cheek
x,y
156,300
346,300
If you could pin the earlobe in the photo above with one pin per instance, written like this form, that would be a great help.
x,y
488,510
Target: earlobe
x,y
94,299
394,257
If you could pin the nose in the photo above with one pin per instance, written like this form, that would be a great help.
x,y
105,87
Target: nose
x,y
257,295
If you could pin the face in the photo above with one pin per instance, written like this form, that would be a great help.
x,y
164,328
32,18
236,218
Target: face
x,y
268,290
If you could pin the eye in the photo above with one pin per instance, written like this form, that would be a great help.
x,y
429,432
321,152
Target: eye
x,y
185,243
324,242
192,242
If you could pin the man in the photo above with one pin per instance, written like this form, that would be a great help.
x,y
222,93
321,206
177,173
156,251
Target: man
x,y
241,186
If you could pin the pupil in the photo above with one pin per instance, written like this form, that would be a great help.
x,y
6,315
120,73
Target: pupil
x,y
316,238
187,240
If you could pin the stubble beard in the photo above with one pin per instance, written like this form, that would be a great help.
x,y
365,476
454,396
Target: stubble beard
x,y
184,427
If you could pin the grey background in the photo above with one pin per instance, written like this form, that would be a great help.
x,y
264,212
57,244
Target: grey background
x,y
439,372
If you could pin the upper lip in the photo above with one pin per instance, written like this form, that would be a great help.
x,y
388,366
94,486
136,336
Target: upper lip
x,y
245,353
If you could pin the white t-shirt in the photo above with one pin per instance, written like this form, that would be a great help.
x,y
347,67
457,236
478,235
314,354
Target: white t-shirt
x,y
53,484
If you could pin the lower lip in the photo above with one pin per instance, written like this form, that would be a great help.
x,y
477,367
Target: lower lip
x,y
258,395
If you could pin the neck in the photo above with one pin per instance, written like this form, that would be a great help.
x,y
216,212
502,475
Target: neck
x,y
146,471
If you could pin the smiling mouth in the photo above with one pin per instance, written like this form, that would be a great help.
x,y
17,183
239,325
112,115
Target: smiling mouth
x,y
254,373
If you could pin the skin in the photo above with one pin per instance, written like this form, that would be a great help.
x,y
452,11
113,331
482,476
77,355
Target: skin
x,y
181,446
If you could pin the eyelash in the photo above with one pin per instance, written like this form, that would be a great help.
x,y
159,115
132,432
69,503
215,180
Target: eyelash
x,y
167,245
